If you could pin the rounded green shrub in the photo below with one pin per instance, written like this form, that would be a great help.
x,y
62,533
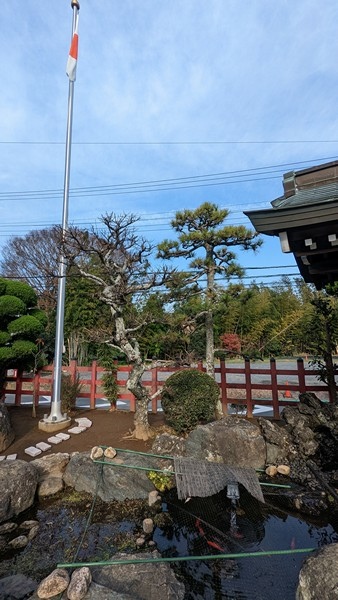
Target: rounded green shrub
x,y
39,315
23,348
7,355
26,326
188,399
10,307
2,286
4,338
21,290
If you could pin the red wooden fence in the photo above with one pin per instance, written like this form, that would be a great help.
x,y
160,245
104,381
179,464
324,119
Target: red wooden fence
x,y
276,392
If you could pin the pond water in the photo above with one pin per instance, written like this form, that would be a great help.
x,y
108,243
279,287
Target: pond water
x,y
198,528
205,526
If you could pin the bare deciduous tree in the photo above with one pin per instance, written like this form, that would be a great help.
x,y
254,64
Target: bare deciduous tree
x,y
120,266
34,258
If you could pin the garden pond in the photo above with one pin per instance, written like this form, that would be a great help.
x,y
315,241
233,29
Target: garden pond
x,y
198,528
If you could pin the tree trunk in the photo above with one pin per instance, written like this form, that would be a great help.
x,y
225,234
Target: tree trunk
x,y
142,429
209,344
209,331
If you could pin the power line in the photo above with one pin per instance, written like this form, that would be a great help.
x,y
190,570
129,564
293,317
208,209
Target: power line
x,y
220,178
166,143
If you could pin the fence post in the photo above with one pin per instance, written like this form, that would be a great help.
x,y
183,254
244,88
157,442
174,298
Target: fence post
x,y
154,388
18,388
224,397
301,375
247,368
36,388
93,378
274,389
72,369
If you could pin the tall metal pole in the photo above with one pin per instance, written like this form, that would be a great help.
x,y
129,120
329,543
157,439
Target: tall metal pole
x,y
55,413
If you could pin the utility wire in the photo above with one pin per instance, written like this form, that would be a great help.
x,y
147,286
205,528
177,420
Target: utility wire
x,y
191,181
166,143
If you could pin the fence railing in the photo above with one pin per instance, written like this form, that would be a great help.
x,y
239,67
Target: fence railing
x,y
239,385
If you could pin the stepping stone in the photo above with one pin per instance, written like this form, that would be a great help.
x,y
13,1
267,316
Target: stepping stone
x,y
54,440
43,446
77,430
62,436
32,451
2,458
84,422
12,456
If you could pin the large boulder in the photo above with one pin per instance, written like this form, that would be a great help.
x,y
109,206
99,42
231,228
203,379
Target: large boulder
x,y
231,440
117,482
141,580
318,577
7,434
169,445
279,443
50,471
18,483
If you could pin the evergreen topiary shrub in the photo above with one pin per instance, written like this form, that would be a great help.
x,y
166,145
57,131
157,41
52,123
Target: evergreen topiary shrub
x,y
4,338
39,315
7,355
10,307
24,348
26,326
188,399
21,290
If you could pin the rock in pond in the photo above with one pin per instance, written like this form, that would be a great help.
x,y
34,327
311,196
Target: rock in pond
x,y
141,580
117,482
56,583
79,584
18,482
7,434
318,578
17,587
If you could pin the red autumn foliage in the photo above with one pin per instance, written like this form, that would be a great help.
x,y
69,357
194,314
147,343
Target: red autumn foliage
x,y
231,343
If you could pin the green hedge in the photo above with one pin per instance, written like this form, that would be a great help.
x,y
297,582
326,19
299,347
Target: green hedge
x,y
188,399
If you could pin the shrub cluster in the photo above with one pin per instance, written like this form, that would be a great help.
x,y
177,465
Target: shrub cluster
x,y
188,399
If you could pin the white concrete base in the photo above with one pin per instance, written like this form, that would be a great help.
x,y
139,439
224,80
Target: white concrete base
x,y
2,458
32,451
12,456
52,426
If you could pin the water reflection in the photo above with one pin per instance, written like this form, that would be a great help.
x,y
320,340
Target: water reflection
x,y
217,525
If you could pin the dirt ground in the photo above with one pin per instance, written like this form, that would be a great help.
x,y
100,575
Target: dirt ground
x,y
108,428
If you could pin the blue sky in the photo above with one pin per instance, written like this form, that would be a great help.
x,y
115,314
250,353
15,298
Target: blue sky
x,y
152,75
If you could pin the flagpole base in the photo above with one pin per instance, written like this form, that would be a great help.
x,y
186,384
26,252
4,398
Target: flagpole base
x,y
51,426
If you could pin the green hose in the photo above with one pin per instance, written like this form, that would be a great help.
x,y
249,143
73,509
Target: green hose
x,y
102,563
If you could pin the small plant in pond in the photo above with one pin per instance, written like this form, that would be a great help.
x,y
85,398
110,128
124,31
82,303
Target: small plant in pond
x,y
161,481
188,399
